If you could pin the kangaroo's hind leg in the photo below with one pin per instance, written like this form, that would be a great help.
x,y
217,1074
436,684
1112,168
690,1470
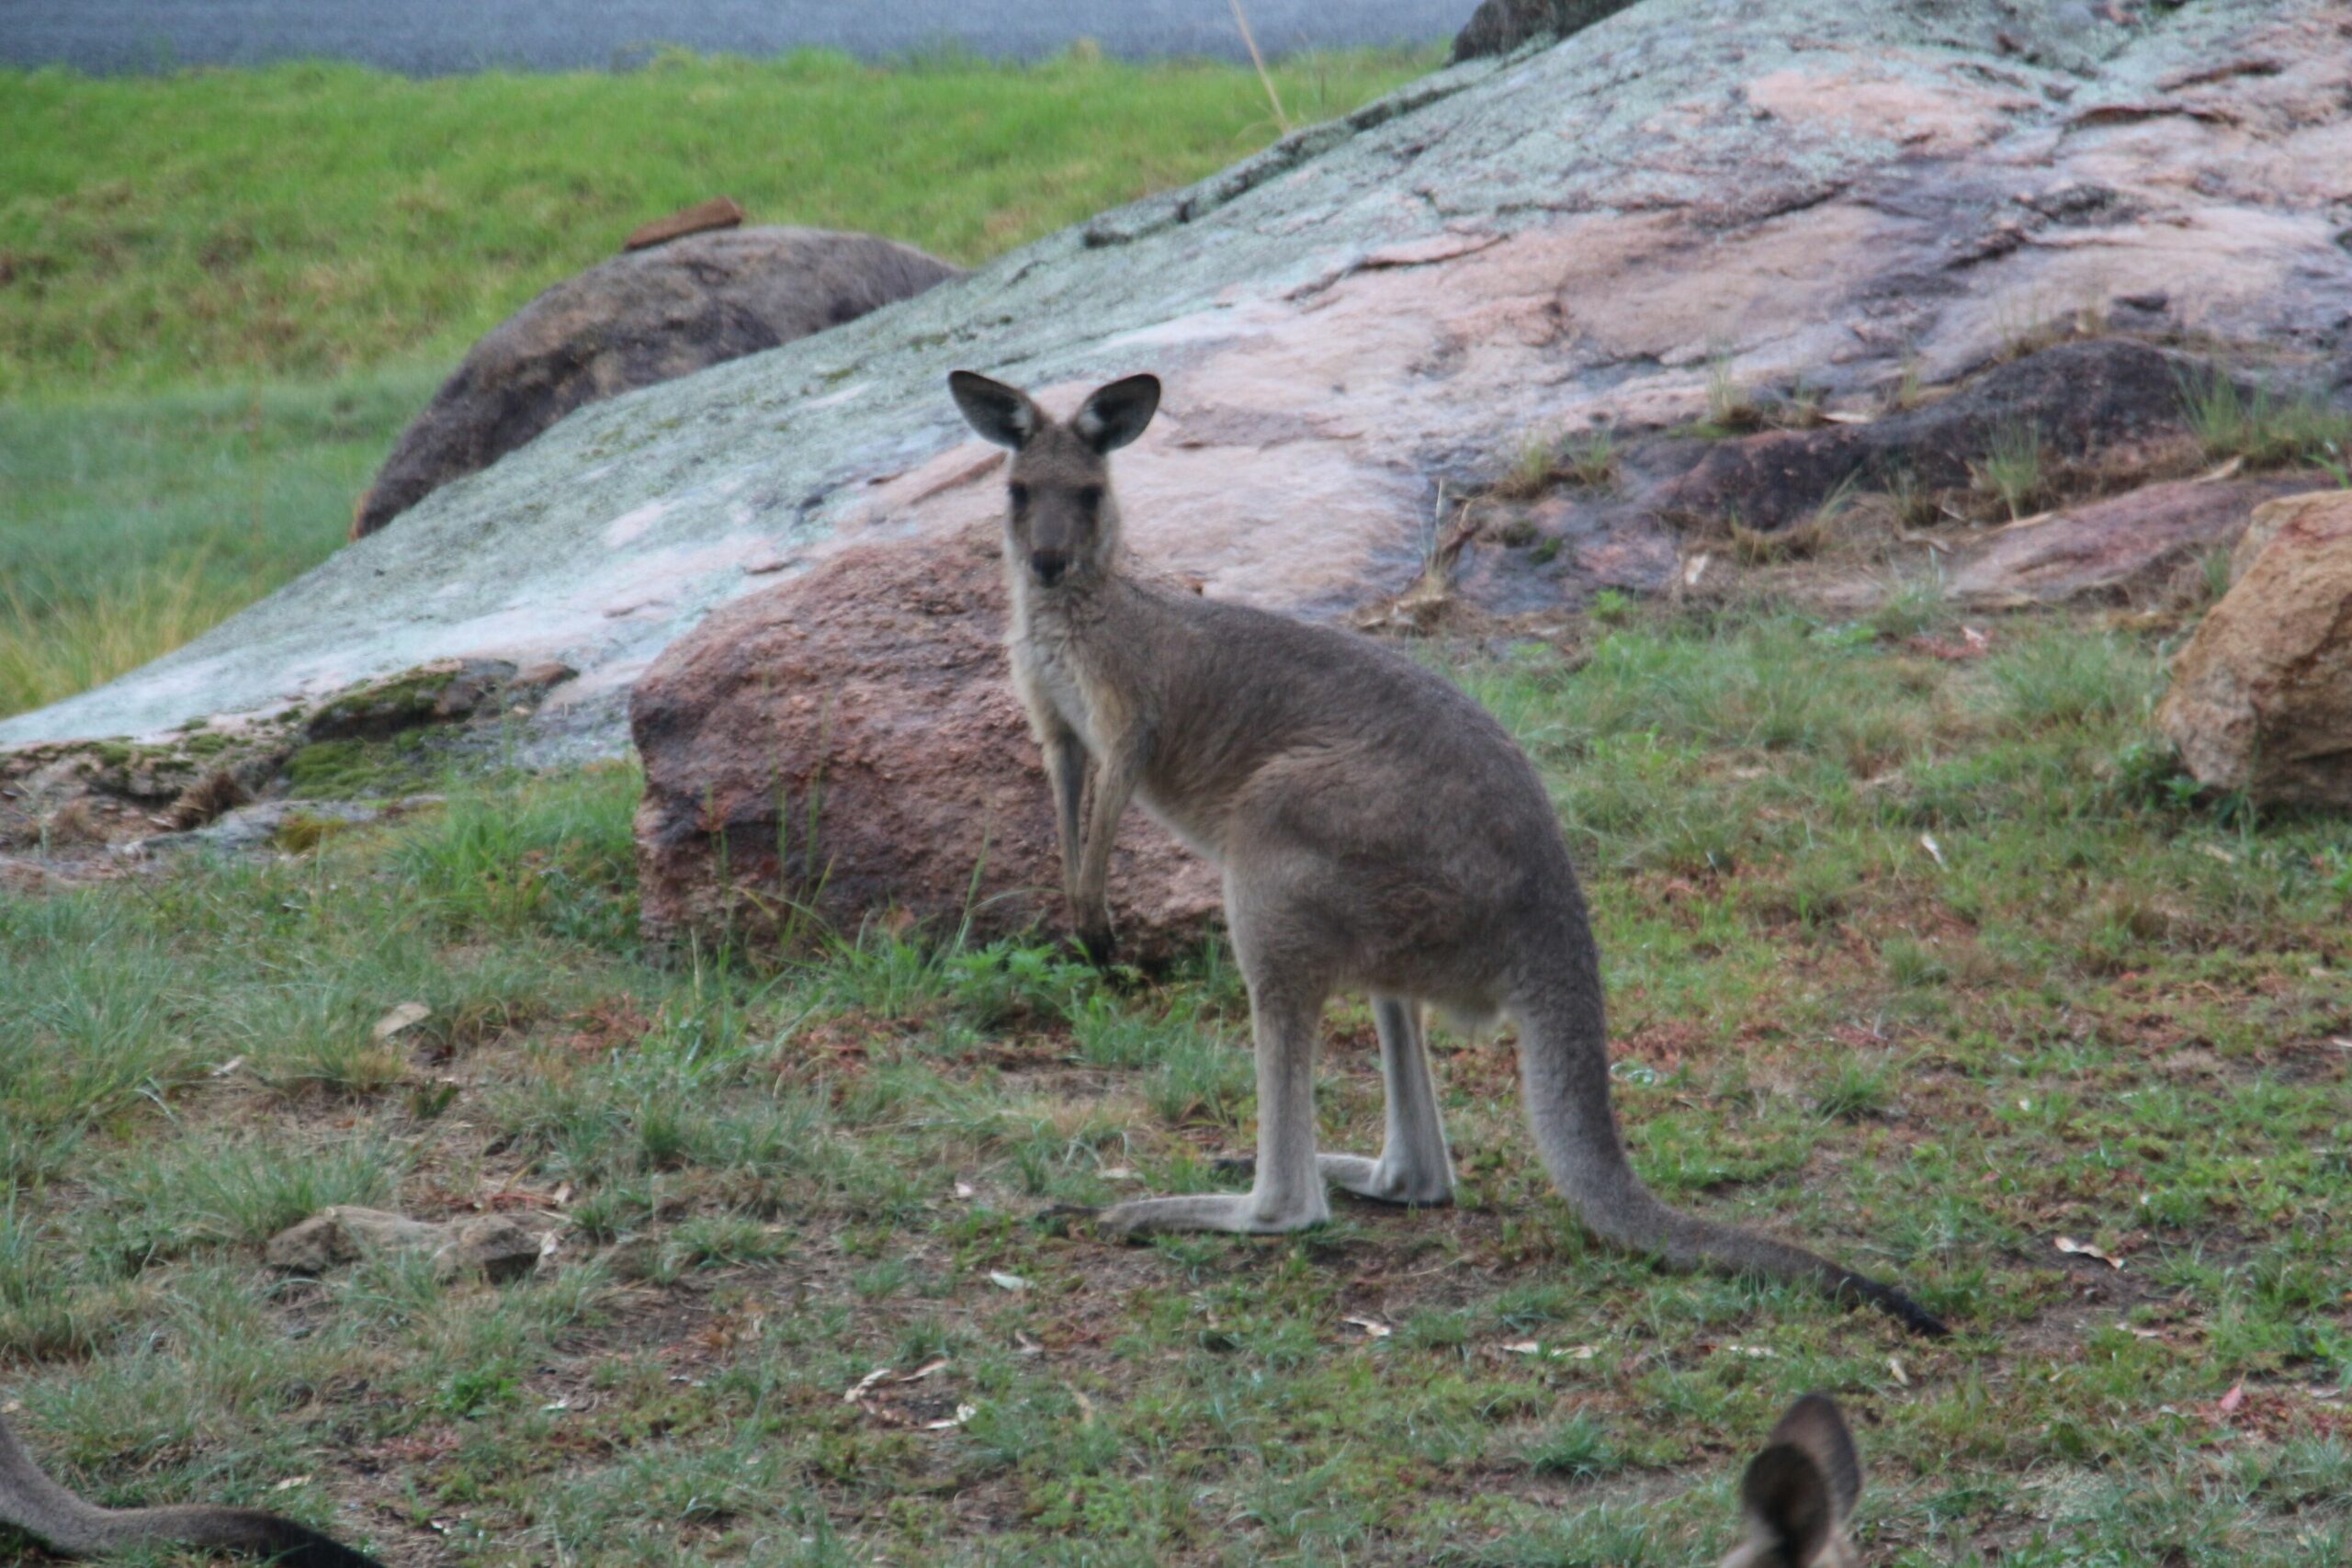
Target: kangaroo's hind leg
x,y
1286,998
1414,1166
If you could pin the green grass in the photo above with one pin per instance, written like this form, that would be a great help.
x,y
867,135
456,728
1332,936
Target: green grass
x,y
2107,1014
2264,429
130,525
310,221
222,293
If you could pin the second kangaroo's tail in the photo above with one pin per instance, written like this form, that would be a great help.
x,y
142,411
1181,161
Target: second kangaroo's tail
x,y
31,1502
1564,1064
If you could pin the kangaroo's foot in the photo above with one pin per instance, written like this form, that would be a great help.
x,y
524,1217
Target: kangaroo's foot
x,y
1245,1213
1383,1181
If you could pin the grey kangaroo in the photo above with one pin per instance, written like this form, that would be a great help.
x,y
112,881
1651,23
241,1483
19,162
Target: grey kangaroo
x,y
1377,830
1798,1494
31,1502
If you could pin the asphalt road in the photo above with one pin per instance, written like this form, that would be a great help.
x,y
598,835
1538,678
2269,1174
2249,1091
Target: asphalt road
x,y
435,37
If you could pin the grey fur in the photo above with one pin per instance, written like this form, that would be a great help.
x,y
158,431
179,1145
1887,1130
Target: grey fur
x,y
1378,831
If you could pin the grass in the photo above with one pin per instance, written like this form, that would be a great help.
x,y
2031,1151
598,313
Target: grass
x,y
222,293
2264,429
2106,1012
2012,470
312,221
130,525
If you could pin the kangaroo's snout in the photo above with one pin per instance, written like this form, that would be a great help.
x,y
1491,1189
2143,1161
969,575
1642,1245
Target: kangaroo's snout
x,y
1048,565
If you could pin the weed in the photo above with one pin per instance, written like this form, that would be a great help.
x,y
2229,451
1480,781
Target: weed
x,y
1530,471
2011,470
1731,408
2261,428
1593,459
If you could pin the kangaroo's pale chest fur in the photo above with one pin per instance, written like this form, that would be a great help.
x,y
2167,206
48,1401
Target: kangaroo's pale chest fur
x,y
1051,674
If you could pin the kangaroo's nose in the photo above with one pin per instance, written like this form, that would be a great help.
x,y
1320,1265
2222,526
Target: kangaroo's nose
x,y
1048,565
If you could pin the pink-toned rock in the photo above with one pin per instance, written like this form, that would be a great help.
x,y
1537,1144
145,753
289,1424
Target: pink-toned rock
x,y
2107,549
848,744
2261,698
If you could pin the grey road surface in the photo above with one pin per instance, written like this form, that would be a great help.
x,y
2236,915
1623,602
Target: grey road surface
x,y
434,36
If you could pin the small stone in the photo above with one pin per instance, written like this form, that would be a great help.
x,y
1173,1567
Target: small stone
x,y
718,212
2261,698
345,1233
502,1247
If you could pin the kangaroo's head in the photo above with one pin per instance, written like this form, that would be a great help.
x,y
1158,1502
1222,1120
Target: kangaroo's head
x,y
1061,522
1799,1493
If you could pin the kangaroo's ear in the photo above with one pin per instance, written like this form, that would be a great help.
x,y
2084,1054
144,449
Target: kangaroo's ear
x,y
1117,414
1786,1499
1001,413
1815,1426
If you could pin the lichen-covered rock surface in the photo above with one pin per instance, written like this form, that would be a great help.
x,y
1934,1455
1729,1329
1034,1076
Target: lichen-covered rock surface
x,y
1373,316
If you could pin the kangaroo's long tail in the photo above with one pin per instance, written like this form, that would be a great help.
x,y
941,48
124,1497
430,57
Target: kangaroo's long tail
x,y
31,1502
1564,1065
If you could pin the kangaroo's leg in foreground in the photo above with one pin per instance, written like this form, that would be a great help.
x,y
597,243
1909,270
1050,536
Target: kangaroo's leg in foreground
x,y
1285,1014
1065,758
1114,785
1414,1166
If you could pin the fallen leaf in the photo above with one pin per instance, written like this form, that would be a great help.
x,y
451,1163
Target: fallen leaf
x,y
1695,568
963,1413
2219,853
1026,1346
408,1015
1085,1407
1555,1353
1118,1173
863,1383
1008,1281
230,1065
1370,1325
2084,1249
928,1369
1927,842
966,1191
2141,1333
1902,1378
2229,1402
290,1483
556,1405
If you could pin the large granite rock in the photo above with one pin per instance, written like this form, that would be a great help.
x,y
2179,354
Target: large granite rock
x,y
676,303
1497,27
2261,698
847,745
2112,549
1373,316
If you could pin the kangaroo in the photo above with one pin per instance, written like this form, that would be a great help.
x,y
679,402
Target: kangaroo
x,y
1799,1493
31,1502
1377,830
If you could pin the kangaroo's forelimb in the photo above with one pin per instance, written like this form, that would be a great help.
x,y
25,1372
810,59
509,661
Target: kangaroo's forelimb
x,y
1114,775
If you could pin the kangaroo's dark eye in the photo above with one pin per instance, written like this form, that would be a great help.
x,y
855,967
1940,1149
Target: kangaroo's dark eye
x,y
1019,494
1090,497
